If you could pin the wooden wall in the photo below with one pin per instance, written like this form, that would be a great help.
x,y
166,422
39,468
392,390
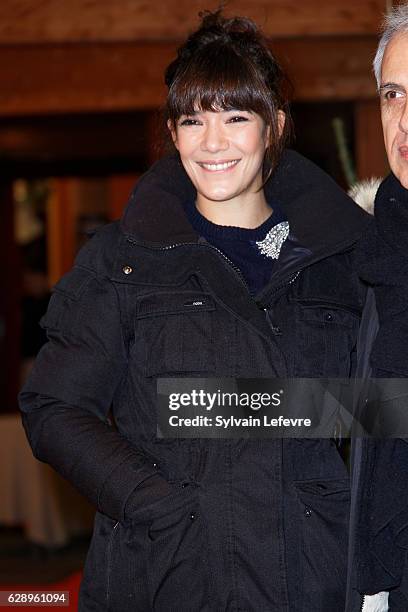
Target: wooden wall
x,y
62,56
79,21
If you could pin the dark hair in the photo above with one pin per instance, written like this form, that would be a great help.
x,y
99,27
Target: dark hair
x,y
226,64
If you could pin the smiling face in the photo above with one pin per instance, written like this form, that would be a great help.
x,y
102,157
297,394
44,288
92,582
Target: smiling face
x,y
222,153
394,107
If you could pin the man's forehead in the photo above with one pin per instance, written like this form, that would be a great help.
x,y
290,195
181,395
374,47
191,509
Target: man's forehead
x,y
395,63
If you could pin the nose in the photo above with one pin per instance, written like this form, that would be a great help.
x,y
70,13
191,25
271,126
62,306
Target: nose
x,y
214,138
403,122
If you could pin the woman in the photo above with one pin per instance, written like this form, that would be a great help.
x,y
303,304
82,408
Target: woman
x,y
233,259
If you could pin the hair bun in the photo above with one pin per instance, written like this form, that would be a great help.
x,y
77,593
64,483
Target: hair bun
x,y
240,31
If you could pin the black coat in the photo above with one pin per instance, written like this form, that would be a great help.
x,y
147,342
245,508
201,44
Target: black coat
x,y
261,524
380,520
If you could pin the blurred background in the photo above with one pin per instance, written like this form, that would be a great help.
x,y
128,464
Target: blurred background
x,y
81,84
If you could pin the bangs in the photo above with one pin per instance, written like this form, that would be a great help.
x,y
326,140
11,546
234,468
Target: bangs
x,y
218,79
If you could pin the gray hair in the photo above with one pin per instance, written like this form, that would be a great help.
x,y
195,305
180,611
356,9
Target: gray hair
x,y
395,22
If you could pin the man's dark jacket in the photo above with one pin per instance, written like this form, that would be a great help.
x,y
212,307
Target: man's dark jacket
x,y
196,524
380,520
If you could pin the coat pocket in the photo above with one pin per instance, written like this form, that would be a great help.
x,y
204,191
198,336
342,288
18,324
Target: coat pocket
x,y
126,569
327,337
174,329
323,519
114,576
159,561
178,562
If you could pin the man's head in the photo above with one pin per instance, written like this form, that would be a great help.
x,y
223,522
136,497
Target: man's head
x,y
391,72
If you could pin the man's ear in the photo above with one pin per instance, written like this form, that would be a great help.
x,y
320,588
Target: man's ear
x,y
281,122
172,132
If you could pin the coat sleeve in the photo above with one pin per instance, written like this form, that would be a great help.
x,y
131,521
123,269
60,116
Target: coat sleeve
x,y
67,397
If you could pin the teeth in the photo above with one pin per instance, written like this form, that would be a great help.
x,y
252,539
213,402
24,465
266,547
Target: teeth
x,y
223,166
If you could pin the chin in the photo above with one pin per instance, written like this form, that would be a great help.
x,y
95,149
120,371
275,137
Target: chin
x,y
404,180
402,176
217,196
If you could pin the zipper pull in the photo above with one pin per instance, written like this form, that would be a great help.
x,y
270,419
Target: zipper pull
x,y
275,329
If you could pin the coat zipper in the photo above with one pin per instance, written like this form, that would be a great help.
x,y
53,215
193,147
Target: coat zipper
x,y
237,271
288,282
234,267
275,328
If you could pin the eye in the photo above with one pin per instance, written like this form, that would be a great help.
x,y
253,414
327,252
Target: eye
x,y
237,119
393,94
189,121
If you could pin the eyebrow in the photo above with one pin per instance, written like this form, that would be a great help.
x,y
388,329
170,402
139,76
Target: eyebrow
x,y
391,86
229,110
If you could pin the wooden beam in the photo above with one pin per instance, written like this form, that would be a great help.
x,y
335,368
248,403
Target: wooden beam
x,y
128,77
59,21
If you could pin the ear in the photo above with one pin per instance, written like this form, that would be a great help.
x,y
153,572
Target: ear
x,y
267,136
173,132
281,125
281,121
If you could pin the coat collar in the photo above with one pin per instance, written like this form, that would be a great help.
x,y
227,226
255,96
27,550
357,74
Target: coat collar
x,y
322,218
391,213
320,214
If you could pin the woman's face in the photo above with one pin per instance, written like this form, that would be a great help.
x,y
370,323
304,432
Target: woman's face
x,y
222,152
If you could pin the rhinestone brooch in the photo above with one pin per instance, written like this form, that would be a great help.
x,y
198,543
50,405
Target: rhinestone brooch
x,y
271,245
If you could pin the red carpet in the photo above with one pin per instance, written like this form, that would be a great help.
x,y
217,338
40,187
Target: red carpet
x,y
70,584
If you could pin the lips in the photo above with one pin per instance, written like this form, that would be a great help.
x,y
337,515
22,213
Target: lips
x,y
403,151
218,166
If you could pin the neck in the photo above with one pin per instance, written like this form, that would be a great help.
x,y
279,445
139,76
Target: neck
x,y
249,212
